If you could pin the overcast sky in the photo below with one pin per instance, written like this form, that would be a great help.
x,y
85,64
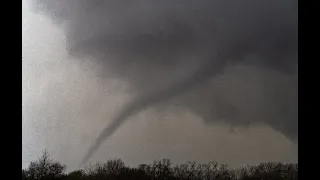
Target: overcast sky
x,y
64,111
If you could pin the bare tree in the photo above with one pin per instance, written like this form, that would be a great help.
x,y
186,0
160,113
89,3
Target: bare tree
x,y
44,168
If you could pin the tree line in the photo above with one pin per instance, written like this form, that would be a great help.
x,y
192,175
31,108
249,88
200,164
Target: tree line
x,y
46,168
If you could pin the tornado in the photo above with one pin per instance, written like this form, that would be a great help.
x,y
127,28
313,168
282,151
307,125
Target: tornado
x,y
230,61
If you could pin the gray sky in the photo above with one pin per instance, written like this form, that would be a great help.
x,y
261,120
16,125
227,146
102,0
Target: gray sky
x,y
64,111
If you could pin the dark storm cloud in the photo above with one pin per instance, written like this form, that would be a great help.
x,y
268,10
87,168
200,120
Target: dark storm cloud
x,y
165,49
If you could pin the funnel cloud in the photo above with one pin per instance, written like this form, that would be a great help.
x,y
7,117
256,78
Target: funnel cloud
x,y
228,61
